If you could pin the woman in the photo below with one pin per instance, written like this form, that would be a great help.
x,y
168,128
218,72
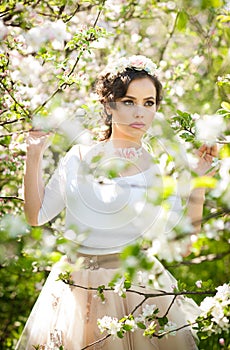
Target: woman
x,y
102,217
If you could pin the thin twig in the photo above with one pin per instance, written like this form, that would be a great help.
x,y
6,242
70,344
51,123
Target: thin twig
x,y
71,71
138,305
5,198
223,142
160,293
14,99
200,29
225,211
217,214
11,121
13,133
200,259
96,342
169,38
171,304
72,14
174,330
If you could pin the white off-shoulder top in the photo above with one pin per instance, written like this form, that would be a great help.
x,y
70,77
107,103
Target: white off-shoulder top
x,y
104,215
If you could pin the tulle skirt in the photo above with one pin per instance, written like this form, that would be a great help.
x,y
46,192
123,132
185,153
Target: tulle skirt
x,y
65,317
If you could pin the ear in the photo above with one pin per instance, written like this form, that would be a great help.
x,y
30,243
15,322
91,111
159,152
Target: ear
x,y
108,109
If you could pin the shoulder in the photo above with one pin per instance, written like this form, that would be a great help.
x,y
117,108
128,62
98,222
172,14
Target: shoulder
x,y
75,155
76,152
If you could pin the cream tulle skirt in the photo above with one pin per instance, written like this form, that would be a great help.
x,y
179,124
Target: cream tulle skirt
x,y
65,317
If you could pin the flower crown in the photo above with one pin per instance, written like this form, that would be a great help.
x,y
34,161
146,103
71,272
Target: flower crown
x,y
137,62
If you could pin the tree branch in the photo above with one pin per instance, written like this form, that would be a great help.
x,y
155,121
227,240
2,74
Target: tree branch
x,y
138,305
173,330
171,304
96,342
160,293
14,99
162,52
71,71
11,121
200,259
154,335
14,133
5,198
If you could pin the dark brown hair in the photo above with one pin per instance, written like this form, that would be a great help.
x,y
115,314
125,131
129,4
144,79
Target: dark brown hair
x,y
110,88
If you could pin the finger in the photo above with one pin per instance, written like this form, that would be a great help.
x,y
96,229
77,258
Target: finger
x,y
208,158
214,151
211,150
201,152
202,148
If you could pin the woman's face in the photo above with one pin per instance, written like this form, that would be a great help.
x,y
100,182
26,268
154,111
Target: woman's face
x,y
134,113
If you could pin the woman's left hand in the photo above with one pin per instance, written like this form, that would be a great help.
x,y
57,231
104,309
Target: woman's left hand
x,y
205,159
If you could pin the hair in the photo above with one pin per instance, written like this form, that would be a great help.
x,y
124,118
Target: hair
x,y
110,88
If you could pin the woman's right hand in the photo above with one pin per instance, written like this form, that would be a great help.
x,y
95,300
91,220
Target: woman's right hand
x,y
37,141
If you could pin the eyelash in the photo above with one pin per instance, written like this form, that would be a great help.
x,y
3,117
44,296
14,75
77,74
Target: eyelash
x,y
130,102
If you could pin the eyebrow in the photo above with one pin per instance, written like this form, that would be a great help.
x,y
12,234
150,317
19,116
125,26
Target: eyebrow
x,y
134,98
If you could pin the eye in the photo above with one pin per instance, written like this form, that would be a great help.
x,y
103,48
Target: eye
x,y
128,102
149,103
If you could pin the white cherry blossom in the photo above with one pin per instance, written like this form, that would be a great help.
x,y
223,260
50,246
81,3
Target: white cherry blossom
x,y
109,324
148,310
132,324
209,128
119,287
223,293
169,328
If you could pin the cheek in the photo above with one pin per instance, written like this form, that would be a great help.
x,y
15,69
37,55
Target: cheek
x,y
151,114
122,114
150,119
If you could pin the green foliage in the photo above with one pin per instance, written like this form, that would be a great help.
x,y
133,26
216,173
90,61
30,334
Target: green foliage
x,y
142,261
182,20
100,292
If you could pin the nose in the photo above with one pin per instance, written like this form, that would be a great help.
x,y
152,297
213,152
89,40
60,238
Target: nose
x,y
139,111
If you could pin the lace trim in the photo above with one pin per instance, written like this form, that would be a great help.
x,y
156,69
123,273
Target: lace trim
x,y
55,342
129,153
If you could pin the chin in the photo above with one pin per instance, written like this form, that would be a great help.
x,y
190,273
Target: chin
x,y
138,132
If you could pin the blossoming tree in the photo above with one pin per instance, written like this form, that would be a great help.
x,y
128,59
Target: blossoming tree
x,y
50,55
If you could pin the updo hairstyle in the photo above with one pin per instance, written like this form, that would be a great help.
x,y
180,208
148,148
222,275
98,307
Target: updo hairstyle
x,y
111,88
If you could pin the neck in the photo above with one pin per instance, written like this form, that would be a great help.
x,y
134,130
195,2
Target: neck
x,y
124,143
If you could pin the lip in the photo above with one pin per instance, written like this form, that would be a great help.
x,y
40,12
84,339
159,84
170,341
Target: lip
x,y
137,125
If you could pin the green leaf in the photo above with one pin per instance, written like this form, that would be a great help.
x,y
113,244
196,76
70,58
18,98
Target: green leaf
x,y
163,321
96,158
182,20
204,181
207,4
120,334
225,105
127,284
141,325
127,327
168,186
132,250
223,18
36,233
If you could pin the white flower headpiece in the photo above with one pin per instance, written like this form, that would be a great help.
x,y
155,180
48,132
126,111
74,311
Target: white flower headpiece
x,y
137,62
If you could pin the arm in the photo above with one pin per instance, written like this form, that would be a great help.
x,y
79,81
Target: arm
x,y
197,197
33,183
195,207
